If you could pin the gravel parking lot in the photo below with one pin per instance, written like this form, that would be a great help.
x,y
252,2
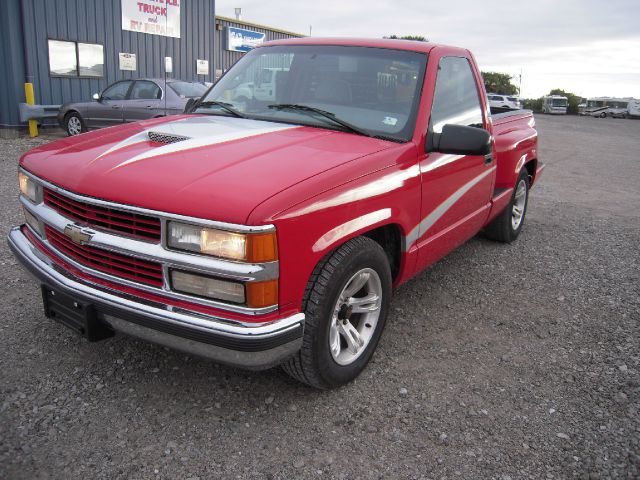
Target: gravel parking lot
x,y
504,362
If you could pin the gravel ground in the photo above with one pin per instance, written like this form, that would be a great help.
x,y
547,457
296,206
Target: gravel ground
x,y
501,361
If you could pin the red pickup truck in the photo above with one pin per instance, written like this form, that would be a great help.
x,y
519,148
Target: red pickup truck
x,y
270,224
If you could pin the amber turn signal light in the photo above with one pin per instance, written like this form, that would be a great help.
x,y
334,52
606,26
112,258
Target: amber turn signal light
x,y
262,294
262,247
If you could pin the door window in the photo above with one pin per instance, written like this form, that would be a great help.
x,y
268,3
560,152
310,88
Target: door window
x,y
117,91
456,100
144,90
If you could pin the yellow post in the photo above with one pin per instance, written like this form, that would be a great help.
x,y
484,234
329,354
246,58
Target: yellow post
x,y
31,100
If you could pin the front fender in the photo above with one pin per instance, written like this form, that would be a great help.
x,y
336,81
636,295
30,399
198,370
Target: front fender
x,y
313,227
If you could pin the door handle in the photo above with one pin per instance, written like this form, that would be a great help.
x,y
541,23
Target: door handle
x,y
149,106
115,106
488,159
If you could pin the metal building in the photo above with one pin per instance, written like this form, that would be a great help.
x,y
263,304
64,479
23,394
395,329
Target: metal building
x,y
70,49
226,53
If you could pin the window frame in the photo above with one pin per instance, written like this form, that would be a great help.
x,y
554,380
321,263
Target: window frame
x,y
141,80
126,96
479,94
77,75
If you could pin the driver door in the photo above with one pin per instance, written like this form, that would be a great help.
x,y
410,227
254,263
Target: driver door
x,y
456,189
107,110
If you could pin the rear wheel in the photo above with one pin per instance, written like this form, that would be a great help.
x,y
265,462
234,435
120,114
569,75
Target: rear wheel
x,y
507,225
346,305
74,125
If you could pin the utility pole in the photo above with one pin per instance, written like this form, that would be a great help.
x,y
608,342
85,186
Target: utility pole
x,y
310,27
520,82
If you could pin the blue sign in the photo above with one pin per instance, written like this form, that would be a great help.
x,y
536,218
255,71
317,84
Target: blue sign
x,y
241,40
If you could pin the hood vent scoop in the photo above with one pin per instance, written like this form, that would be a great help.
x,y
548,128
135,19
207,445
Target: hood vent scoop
x,y
166,137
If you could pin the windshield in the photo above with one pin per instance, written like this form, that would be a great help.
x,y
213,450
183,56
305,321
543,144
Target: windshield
x,y
559,102
375,90
188,89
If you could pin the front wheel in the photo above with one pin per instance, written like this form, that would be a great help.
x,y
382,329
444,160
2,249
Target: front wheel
x,y
73,124
507,225
346,304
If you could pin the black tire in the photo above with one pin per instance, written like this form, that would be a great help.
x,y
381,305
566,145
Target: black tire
x,y
501,228
314,364
71,120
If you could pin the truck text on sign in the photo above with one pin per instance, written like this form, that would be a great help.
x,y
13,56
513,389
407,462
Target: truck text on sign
x,y
156,17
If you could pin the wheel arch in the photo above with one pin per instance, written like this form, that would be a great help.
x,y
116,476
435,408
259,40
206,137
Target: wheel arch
x,y
531,165
378,226
71,111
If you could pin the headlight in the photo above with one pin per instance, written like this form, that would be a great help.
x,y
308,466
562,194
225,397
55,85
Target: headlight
x,y
246,247
29,188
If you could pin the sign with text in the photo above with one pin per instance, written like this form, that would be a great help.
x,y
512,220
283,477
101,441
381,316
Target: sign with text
x,y
156,17
127,61
242,40
202,67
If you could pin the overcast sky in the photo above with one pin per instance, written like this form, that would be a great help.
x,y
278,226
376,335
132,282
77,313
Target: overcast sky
x,y
589,47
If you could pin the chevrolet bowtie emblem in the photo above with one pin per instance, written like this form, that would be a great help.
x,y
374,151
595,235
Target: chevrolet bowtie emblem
x,y
77,233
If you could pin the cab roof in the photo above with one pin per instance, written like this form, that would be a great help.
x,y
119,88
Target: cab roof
x,y
395,44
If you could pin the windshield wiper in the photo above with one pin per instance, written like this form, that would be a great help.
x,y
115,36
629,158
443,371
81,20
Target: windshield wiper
x,y
225,106
323,113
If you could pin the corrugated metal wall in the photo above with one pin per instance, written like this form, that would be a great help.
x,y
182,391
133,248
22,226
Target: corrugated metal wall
x,y
11,63
224,58
99,21
34,22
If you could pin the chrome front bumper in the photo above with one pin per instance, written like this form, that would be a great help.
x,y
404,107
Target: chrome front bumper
x,y
245,345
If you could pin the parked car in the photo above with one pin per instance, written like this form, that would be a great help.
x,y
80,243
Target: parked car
x,y
504,102
263,233
128,101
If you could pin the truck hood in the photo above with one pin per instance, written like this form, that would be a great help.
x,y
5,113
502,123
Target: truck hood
x,y
212,167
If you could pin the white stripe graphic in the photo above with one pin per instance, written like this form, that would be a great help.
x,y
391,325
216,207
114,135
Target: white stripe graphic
x,y
201,132
200,142
419,230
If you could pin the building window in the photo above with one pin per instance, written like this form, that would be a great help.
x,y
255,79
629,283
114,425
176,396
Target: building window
x,y
75,59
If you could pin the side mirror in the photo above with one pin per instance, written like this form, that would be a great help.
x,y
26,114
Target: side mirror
x,y
460,140
188,108
96,97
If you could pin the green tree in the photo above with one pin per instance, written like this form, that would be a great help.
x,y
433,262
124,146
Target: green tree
x,y
418,38
495,82
573,99
534,104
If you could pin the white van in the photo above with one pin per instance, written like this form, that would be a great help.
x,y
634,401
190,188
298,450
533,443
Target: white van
x,y
263,88
555,104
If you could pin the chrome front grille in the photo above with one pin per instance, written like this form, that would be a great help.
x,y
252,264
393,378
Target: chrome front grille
x,y
120,222
122,244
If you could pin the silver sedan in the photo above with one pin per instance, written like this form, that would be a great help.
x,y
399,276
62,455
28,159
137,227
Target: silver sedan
x,y
129,101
